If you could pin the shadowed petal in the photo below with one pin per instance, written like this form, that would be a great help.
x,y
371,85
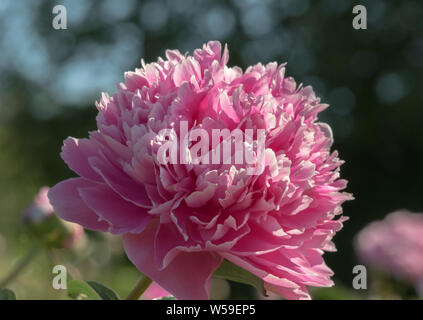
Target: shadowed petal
x,y
278,285
121,183
167,242
122,215
189,274
67,203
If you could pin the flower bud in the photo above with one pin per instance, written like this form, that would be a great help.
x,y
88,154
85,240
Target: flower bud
x,y
40,208
43,224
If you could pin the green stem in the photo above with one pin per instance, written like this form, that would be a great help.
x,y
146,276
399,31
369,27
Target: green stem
x,y
19,267
140,288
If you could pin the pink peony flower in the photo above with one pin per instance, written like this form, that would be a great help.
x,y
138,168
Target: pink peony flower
x,y
179,221
395,245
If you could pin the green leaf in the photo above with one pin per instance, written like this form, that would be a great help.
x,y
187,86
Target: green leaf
x,y
104,292
7,294
230,271
166,298
334,293
80,290
90,290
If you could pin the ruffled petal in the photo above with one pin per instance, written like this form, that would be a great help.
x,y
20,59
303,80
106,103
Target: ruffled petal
x,y
279,285
75,152
121,183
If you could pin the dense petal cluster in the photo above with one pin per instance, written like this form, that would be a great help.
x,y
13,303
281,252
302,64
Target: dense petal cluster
x,y
180,220
395,245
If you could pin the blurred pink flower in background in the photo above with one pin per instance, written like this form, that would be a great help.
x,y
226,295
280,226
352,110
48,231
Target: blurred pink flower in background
x,y
40,208
39,217
395,245
179,221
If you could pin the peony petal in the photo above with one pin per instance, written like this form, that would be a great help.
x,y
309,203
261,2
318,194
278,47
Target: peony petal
x,y
75,152
272,281
188,276
154,291
122,215
299,293
169,243
200,198
260,241
68,204
120,182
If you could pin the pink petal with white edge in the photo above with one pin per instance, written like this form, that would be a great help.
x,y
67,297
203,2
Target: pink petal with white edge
x,y
121,182
168,241
75,152
285,287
